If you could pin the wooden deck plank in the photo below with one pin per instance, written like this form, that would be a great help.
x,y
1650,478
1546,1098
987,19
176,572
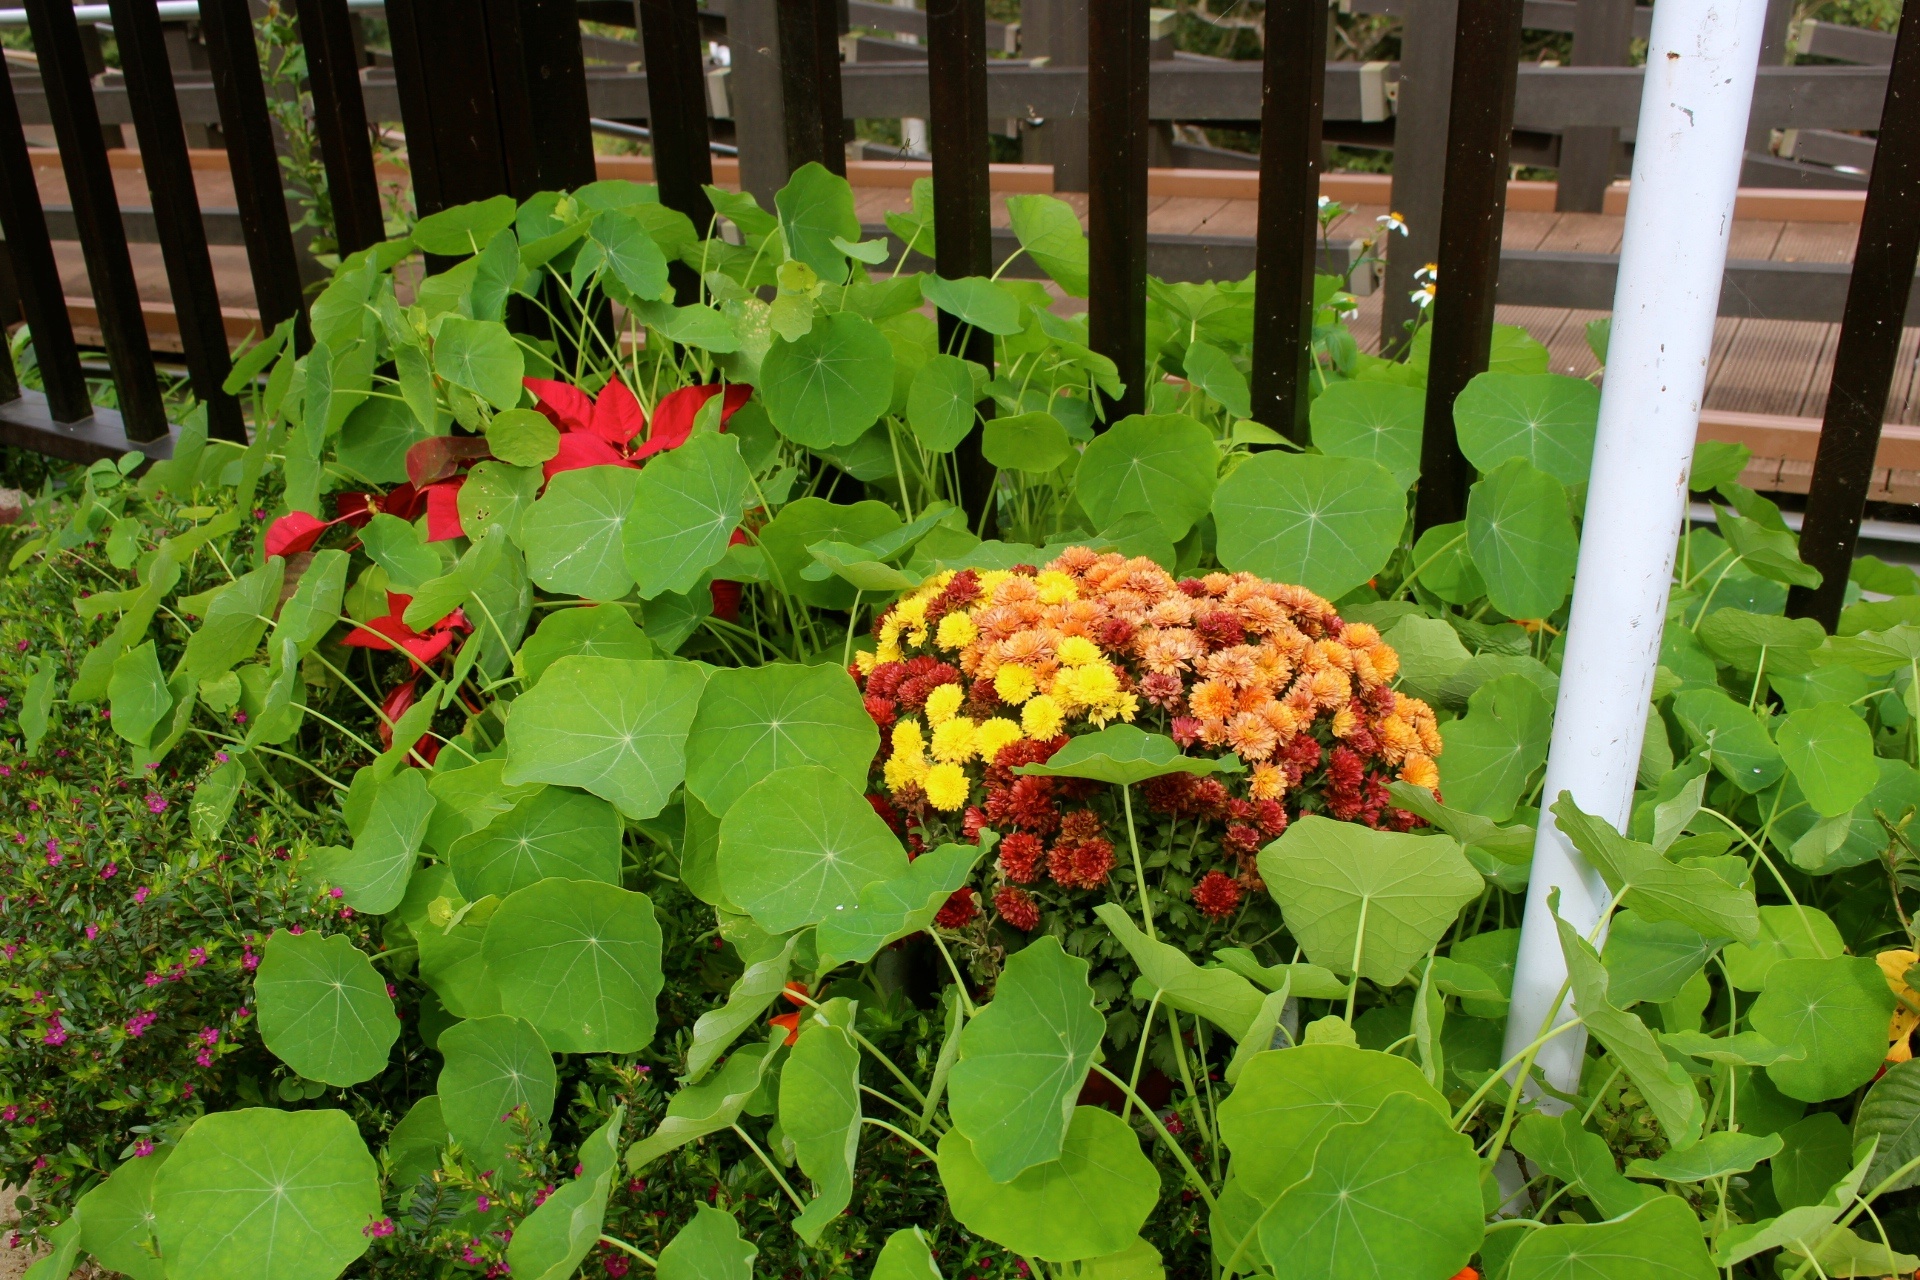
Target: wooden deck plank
x,y
1583,233
1180,215
1770,367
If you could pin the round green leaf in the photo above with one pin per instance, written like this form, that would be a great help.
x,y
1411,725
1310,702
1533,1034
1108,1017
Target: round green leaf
x,y
1049,230
1089,1203
573,535
495,493
1214,372
1548,419
521,437
117,1219
1288,1099
1492,751
940,402
1331,879
324,1009
1733,737
414,1146
1742,639
465,228
977,301
685,508
820,1114
815,206
580,961
1660,1240
1124,754
373,874
451,964
551,1242
283,1195
1023,1060
1522,538
1400,1184
480,356
1829,751
1328,524
556,832
1889,1112
1035,442
806,522
1164,463
711,1248
598,631
1446,564
801,844
906,1255
374,440
755,720
1834,1009
829,386
490,1066
632,255
1378,421
609,726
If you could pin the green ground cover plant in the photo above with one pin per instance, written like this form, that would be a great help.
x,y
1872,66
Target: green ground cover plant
x,y
723,850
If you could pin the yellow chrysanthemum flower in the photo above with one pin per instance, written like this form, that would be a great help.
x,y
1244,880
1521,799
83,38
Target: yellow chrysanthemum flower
x,y
995,734
865,661
908,738
1077,651
1089,686
1014,683
991,579
1269,782
1421,771
953,740
1042,717
1122,706
944,703
1055,587
956,632
946,787
1345,722
904,770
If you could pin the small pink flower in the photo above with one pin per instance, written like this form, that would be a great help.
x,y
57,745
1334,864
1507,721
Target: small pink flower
x,y
198,955
39,1163
137,1025
204,1058
337,893
93,931
10,1113
616,1266
483,1204
391,991
239,717
56,1033
109,871
297,930
187,1092
142,1149
153,979
19,837
377,1229
140,894
209,1036
21,647
220,756
33,806
249,961
243,1013
156,803
636,1185
6,771
540,1196
10,949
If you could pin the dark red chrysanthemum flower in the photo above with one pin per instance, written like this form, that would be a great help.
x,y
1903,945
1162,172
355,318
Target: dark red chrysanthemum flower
x,y
1017,908
1241,841
972,823
884,681
881,709
1081,824
1163,690
1080,864
1271,817
1219,629
1170,793
1217,895
959,911
1020,855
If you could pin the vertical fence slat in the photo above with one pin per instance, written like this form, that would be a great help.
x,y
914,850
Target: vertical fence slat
x,y
553,70
248,131
442,68
1602,30
1118,53
35,272
96,212
1419,159
1292,90
962,213
176,210
756,90
1486,58
1869,345
810,83
340,117
677,107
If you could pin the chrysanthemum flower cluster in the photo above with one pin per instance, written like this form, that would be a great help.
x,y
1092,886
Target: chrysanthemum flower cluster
x,y
979,672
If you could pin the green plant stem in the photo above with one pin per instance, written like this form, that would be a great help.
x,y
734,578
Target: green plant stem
x,y
1186,1075
622,1244
1140,1054
1139,867
747,1138
893,1102
1421,568
901,1134
868,1045
853,620
1193,1174
958,982
1359,942
1467,1108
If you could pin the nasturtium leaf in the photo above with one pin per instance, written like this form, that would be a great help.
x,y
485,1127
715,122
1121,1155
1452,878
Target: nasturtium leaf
x,y
607,725
465,228
1088,1203
598,631
116,1218
451,963
552,1241
235,620
397,547
1492,751
1802,1225
1562,1147
1049,230
685,508
1548,419
895,908
1033,442
555,832
574,536
697,1110
906,1254
324,1009
1734,739
1747,1049
820,1115
1652,960
1164,464
941,400
373,874
1328,524
1023,1059
522,437
1716,1155
414,1145
1660,1240
977,301
1377,421
213,799
1817,1152
857,566
1657,888
752,992
631,254
137,695
1307,981
1743,640
1665,1084
1837,1011
1522,538
1399,1184
1288,1099
465,799
1336,881
491,1067
710,1248
479,356
497,494
1771,553
806,522
815,206
828,386
800,846
265,1192
1829,751
1235,1224
1889,1112
1214,372
1221,996
580,960
753,721
1122,755
1843,1252
1138,1261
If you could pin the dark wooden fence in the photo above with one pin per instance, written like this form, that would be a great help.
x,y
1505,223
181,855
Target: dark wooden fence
x,y
495,97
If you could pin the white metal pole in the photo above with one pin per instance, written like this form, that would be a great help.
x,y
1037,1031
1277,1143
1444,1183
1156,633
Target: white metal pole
x,y
1701,59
